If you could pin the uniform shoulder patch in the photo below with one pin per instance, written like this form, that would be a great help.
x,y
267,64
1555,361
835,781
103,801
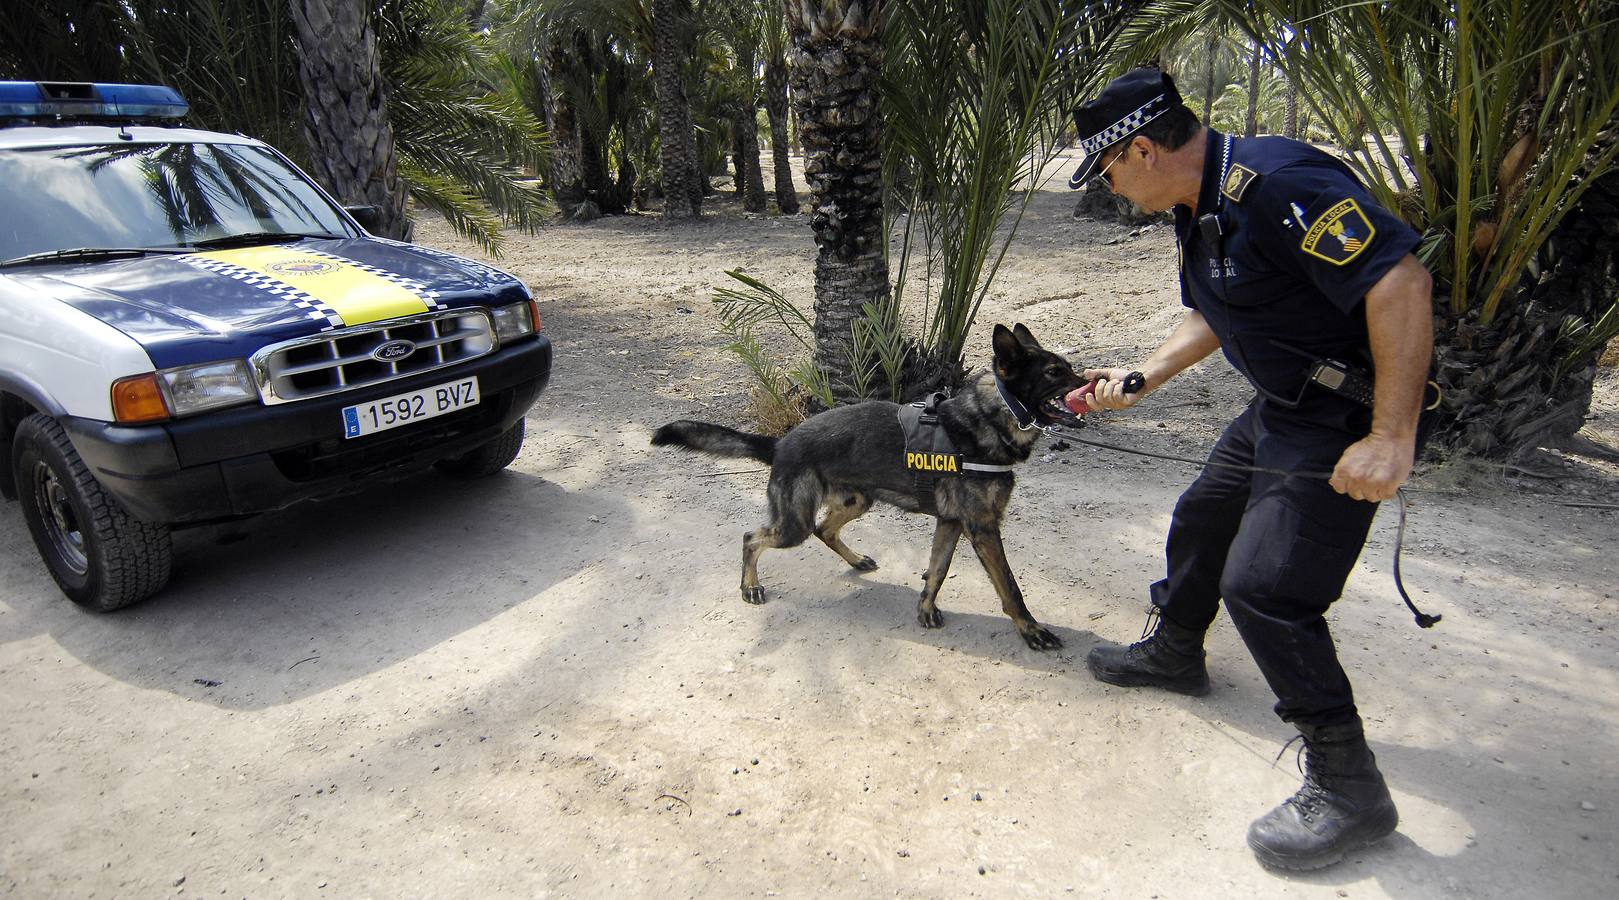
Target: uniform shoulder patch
x,y
1237,181
1340,234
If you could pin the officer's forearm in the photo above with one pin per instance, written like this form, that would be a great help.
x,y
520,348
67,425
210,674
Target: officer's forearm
x,y
1190,342
1399,316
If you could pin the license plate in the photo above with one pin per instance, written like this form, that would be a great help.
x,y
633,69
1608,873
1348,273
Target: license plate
x,y
402,409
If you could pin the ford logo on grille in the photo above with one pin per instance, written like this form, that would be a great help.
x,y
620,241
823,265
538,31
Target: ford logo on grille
x,y
393,351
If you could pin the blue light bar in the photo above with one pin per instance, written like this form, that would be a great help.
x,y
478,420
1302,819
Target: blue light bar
x,y
77,100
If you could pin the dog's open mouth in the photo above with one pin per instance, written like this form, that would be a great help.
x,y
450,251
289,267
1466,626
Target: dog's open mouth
x,y
1056,412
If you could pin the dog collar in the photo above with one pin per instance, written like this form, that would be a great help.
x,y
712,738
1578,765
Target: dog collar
x,y
1024,417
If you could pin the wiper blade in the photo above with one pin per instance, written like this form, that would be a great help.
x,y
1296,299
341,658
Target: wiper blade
x,y
260,237
85,253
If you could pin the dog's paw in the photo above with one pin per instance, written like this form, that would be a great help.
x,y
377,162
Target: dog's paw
x,y
1041,639
754,595
866,564
930,618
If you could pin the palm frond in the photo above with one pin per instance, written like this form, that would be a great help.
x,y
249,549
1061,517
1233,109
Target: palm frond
x,y
448,197
1442,94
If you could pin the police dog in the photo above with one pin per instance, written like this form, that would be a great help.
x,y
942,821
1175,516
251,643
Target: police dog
x,y
848,457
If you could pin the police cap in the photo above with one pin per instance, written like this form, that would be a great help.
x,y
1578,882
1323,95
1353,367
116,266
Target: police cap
x,y
1123,108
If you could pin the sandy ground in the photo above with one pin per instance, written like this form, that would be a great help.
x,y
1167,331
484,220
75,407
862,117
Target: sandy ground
x,y
545,683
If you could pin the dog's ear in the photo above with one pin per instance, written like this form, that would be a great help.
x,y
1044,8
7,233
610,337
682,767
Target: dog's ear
x,y
1024,336
1009,351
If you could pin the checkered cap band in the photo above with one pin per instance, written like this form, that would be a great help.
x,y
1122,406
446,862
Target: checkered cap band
x,y
1126,126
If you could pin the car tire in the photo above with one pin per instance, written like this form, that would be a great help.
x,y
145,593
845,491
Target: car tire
x,y
487,459
102,557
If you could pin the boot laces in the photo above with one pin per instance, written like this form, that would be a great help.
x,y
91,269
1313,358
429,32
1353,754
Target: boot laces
x,y
1312,795
1154,616
1142,650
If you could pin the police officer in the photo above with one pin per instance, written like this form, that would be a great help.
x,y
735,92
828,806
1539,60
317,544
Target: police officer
x,y
1285,261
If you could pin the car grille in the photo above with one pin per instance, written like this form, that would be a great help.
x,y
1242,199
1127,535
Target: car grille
x,y
347,359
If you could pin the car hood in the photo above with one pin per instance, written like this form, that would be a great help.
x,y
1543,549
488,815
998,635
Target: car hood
x,y
222,304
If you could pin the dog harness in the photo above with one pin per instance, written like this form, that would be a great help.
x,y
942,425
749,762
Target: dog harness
x,y
929,452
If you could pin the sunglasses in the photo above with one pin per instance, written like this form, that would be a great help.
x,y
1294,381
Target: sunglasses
x,y
1123,152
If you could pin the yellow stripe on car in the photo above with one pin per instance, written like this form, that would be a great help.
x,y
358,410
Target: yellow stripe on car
x,y
356,295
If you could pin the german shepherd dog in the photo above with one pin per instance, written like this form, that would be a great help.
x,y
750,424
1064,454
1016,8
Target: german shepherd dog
x,y
847,457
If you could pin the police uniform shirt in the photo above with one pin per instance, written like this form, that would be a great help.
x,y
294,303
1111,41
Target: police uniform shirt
x,y
1302,242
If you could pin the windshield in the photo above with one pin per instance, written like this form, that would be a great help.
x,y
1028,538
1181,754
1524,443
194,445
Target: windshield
x,y
152,195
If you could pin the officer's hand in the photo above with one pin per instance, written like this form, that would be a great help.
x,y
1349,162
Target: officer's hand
x,y
1374,467
1108,393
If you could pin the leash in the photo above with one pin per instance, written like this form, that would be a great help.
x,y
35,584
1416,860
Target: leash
x,y
1423,620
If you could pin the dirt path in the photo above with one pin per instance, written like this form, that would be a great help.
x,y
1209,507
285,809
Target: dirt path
x,y
545,684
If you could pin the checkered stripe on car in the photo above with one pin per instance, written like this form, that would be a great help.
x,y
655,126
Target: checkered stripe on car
x,y
427,294
313,307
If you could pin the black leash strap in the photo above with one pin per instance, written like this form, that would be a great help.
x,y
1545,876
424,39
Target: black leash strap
x,y
1423,619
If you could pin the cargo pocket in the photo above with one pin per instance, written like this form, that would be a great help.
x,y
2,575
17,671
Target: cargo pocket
x,y
1314,573
1290,560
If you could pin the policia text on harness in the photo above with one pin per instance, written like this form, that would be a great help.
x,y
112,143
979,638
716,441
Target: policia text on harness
x,y
930,454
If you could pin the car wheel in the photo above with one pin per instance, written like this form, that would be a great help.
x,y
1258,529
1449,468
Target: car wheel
x,y
102,557
486,459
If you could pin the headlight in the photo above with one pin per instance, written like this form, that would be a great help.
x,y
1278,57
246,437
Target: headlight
x,y
516,320
193,389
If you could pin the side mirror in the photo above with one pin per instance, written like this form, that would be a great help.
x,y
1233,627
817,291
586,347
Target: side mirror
x,y
369,217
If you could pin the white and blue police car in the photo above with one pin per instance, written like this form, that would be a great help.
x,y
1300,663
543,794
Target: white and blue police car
x,y
192,331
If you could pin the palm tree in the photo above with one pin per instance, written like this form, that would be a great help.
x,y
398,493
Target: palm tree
x,y
747,120
682,192
1211,60
466,151
775,51
68,40
835,63
732,77
596,59
1250,125
346,126
463,150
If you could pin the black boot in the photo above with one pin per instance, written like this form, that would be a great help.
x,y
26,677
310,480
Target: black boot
x,y
1343,804
1168,656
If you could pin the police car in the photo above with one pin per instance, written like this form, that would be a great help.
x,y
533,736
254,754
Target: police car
x,y
192,331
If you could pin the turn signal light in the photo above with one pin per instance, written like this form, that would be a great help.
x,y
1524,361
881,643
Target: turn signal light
x,y
138,399
534,312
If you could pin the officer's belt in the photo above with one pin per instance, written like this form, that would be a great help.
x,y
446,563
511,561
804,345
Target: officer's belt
x,y
929,452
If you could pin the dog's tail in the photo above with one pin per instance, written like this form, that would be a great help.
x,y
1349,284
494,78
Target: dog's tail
x,y
715,439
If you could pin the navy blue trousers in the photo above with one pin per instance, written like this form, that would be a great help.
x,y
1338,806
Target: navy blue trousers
x,y
1277,550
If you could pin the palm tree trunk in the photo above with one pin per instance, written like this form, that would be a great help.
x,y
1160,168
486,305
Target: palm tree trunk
x,y
776,109
351,142
739,182
747,121
1251,124
1213,55
682,196
567,184
835,63
1290,120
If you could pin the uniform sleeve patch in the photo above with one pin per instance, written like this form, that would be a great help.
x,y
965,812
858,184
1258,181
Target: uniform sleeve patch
x,y
1237,181
1340,234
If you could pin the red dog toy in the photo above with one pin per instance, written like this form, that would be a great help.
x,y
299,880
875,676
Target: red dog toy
x,y
1075,400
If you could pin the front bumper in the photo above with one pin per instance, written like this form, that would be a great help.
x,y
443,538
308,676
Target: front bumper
x,y
254,459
